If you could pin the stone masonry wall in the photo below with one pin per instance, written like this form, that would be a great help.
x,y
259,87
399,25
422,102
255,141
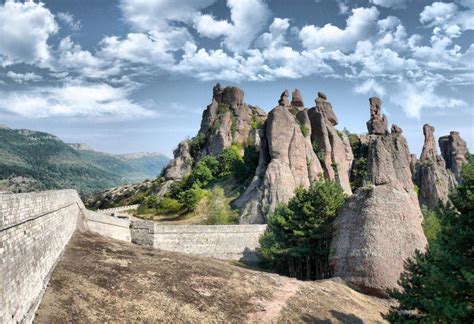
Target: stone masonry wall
x,y
228,242
105,225
34,229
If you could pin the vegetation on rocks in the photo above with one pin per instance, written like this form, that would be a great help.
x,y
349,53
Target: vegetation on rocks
x,y
299,233
359,165
438,286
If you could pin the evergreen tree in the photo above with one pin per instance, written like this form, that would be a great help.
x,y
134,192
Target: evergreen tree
x,y
299,234
438,285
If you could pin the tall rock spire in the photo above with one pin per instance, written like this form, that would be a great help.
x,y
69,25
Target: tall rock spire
x,y
379,227
454,151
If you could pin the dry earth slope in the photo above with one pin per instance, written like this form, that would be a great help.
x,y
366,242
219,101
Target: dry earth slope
x,y
103,280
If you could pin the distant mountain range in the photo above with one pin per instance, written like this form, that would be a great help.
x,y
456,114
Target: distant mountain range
x,y
31,160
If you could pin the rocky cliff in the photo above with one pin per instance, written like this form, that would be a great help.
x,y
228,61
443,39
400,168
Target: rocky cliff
x,y
431,175
297,147
380,225
455,153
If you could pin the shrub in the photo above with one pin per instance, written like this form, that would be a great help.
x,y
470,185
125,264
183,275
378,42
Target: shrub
x,y
304,130
299,234
196,145
229,160
200,176
191,197
219,211
169,206
320,153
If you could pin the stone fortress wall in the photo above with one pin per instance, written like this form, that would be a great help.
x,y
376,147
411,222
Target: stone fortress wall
x,y
35,228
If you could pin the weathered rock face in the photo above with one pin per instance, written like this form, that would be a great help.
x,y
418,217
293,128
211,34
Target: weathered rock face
x,y
454,151
332,146
182,163
378,122
432,177
228,120
288,159
380,225
296,99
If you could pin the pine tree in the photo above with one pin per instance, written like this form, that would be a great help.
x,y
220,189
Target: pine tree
x,y
438,285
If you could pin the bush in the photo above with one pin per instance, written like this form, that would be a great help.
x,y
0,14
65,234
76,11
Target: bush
x,y
196,145
299,234
229,160
169,206
219,211
191,197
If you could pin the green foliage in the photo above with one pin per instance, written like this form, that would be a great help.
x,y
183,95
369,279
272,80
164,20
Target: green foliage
x,y
304,130
223,108
431,224
416,189
256,124
320,153
191,197
169,206
438,285
48,163
299,234
229,159
233,126
218,210
359,164
196,145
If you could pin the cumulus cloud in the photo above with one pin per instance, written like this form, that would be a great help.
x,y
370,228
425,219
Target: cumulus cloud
x,y
24,77
68,19
88,100
25,29
248,18
447,15
358,27
369,87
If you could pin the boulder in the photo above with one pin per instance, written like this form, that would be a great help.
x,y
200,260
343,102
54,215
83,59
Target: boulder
x,y
324,107
296,99
455,153
379,227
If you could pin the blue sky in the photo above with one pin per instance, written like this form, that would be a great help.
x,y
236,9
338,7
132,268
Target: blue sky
x,y
135,75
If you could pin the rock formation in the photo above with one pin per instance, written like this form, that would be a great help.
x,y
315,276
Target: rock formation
x,y
380,225
378,122
454,151
296,99
333,147
432,177
228,120
182,163
298,146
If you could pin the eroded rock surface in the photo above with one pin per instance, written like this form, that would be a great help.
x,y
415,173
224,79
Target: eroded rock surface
x,y
454,151
380,225
432,177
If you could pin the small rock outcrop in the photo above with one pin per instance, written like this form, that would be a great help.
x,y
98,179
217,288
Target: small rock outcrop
x,y
379,227
283,101
296,99
455,153
182,163
432,177
378,122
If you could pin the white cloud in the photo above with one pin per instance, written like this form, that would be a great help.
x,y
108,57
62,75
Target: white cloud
x,y
68,19
369,87
88,100
358,27
248,18
419,95
276,36
447,15
396,4
25,29
145,15
24,77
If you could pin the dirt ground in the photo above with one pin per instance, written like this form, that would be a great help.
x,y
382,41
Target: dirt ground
x,y
103,280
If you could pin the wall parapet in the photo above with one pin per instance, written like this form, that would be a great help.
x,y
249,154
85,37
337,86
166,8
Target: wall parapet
x,y
228,242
